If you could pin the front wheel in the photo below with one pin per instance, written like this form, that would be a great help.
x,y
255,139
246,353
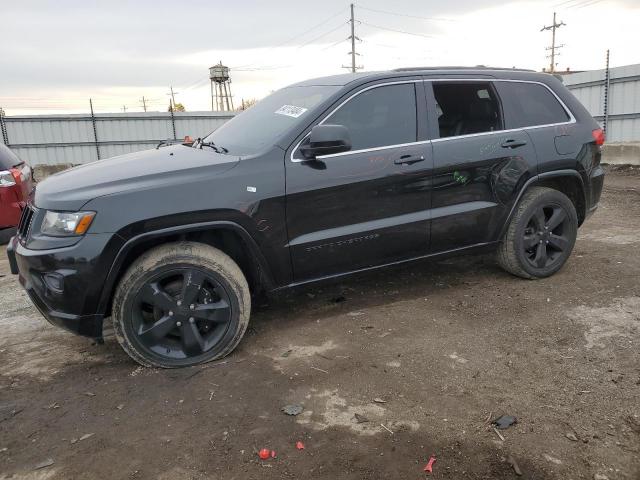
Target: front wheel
x,y
541,234
181,304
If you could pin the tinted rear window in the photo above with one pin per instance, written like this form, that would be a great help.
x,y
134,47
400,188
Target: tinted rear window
x,y
8,159
532,104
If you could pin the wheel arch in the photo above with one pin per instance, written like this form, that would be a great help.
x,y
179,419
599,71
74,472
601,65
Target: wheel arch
x,y
229,237
569,182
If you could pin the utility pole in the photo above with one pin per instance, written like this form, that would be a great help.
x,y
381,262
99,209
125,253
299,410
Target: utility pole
x,y
353,42
124,108
607,86
173,96
144,103
353,39
553,47
95,129
3,128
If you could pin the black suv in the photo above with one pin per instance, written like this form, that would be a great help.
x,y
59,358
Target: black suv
x,y
320,179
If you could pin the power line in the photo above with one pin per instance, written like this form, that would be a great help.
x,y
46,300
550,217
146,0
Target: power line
x,y
320,36
196,84
586,4
386,12
332,45
201,81
565,2
315,39
397,31
257,69
576,4
302,34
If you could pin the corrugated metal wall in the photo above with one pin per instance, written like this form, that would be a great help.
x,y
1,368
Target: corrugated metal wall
x,y
56,139
624,99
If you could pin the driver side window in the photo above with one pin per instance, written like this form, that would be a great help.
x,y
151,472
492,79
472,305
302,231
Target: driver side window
x,y
379,117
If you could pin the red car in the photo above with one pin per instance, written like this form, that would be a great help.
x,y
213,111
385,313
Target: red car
x,y
16,183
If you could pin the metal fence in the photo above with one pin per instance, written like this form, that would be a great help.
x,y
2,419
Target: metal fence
x,y
82,138
623,100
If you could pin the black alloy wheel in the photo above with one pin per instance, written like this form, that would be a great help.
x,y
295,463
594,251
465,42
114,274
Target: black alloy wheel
x,y
181,313
540,235
181,304
545,239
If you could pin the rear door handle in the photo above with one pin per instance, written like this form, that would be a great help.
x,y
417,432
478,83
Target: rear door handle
x,y
408,159
513,144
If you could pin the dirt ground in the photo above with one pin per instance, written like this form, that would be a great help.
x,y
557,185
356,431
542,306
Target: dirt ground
x,y
447,346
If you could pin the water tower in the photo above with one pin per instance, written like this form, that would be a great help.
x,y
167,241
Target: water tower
x,y
221,98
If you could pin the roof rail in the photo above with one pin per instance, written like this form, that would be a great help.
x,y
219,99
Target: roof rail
x,y
457,67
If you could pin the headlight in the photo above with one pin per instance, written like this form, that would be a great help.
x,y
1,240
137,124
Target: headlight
x,y
66,224
7,179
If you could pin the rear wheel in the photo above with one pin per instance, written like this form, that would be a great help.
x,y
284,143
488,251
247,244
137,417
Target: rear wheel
x,y
541,234
181,304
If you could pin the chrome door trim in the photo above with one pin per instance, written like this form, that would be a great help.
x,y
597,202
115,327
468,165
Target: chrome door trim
x,y
571,120
373,149
370,87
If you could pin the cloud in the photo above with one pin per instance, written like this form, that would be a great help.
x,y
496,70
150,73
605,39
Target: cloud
x,y
60,53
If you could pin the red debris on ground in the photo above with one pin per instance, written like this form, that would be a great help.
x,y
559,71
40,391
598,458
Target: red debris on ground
x,y
264,453
429,466
273,454
300,445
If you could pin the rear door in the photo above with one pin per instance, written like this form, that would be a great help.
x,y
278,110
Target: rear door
x,y
370,205
534,107
479,164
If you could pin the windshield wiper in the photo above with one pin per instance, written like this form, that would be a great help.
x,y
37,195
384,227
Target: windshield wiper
x,y
216,148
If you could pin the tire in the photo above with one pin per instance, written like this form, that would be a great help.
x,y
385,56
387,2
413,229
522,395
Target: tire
x,y
6,234
540,235
181,304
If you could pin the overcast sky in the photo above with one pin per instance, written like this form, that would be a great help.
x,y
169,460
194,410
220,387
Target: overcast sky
x,y
56,54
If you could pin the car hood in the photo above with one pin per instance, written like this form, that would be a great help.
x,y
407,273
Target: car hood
x,y
71,189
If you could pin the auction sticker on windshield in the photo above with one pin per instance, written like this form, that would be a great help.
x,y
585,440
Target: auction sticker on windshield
x,y
291,111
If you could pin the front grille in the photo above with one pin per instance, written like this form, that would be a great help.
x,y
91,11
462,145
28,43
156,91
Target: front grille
x,y
25,221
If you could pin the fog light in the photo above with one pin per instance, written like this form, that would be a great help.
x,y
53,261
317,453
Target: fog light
x,y
54,281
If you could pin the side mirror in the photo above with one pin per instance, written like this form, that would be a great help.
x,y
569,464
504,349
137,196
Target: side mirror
x,y
325,140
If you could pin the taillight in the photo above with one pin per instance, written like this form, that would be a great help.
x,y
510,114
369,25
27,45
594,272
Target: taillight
x,y
598,136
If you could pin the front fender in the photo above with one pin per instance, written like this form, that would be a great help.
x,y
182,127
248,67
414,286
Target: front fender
x,y
131,243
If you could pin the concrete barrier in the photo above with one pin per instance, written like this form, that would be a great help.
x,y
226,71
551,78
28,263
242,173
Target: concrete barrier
x,y
40,172
621,153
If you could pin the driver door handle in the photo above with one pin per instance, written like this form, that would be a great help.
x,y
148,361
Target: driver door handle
x,y
408,159
513,143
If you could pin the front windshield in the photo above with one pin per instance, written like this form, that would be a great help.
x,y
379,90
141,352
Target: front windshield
x,y
261,125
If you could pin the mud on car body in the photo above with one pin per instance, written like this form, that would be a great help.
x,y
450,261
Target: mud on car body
x,y
321,179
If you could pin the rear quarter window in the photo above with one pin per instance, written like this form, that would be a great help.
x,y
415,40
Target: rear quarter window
x,y
530,104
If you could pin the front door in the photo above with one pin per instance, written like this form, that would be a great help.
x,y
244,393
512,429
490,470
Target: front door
x,y
479,165
370,205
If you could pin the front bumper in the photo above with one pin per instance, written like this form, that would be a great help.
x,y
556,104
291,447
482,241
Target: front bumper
x,y
66,284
